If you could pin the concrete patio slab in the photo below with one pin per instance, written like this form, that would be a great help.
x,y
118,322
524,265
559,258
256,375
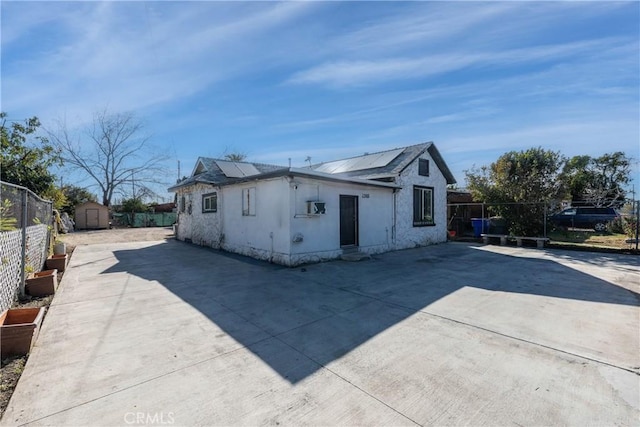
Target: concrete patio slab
x,y
170,333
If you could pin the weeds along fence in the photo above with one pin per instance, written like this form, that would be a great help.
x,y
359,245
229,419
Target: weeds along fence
x,y
25,237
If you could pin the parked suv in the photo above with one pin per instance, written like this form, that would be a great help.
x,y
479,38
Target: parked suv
x,y
596,218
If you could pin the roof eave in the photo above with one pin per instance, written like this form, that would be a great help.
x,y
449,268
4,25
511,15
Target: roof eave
x,y
178,186
311,174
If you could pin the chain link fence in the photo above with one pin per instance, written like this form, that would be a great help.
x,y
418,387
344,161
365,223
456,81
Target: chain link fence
x,y
25,238
144,219
524,219
534,219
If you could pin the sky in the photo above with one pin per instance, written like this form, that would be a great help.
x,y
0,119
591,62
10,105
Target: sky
x,y
334,79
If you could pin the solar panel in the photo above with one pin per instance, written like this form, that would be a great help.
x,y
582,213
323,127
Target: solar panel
x,y
237,170
368,161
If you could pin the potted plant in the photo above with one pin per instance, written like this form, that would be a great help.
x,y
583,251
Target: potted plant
x,y
43,283
19,329
58,262
59,248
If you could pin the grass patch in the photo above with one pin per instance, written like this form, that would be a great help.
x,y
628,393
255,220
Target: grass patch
x,y
590,238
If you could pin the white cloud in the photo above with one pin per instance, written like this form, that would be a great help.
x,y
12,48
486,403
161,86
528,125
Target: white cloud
x,y
419,24
519,73
359,73
132,55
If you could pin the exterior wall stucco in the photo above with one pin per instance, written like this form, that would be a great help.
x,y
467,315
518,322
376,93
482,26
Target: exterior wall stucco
x,y
201,228
282,231
408,236
266,235
321,233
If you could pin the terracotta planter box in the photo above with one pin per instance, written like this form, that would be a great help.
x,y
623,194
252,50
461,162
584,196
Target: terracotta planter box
x,y
42,284
58,262
19,329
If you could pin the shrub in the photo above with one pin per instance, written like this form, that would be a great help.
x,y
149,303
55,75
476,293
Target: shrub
x,y
630,225
617,225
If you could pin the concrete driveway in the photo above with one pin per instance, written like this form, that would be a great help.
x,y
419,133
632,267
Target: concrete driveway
x,y
166,333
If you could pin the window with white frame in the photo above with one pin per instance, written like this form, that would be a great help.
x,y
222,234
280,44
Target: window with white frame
x,y
210,202
422,206
249,201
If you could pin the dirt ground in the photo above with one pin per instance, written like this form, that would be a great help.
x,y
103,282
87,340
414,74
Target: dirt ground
x,y
116,235
11,370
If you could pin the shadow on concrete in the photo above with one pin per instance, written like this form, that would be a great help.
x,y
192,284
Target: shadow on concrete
x,y
327,310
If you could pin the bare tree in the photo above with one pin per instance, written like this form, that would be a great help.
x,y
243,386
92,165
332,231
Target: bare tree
x,y
112,151
234,155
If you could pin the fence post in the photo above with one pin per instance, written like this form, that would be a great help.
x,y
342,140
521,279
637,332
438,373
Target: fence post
x,y
25,198
545,220
637,221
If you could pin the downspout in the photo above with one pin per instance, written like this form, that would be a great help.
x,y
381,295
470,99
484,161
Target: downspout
x,y
221,207
393,227
545,220
176,226
271,255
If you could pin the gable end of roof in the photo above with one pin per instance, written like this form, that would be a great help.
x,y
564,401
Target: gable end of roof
x,y
435,155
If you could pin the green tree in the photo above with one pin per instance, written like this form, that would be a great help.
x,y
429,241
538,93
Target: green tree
x,y
26,156
74,196
575,178
521,184
57,197
608,174
133,205
597,181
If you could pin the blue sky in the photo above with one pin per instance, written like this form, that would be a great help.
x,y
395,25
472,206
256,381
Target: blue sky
x,y
334,79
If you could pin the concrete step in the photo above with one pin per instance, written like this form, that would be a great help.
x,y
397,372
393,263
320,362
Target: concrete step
x,y
354,256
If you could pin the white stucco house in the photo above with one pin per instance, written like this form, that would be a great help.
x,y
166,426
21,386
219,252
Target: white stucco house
x,y
374,203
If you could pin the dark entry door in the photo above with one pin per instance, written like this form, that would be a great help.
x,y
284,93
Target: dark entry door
x,y
348,220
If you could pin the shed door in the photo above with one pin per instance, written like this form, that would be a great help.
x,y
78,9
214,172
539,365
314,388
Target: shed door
x,y
92,218
348,220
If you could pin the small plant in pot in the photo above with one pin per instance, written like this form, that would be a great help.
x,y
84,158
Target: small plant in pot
x,y
59,247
